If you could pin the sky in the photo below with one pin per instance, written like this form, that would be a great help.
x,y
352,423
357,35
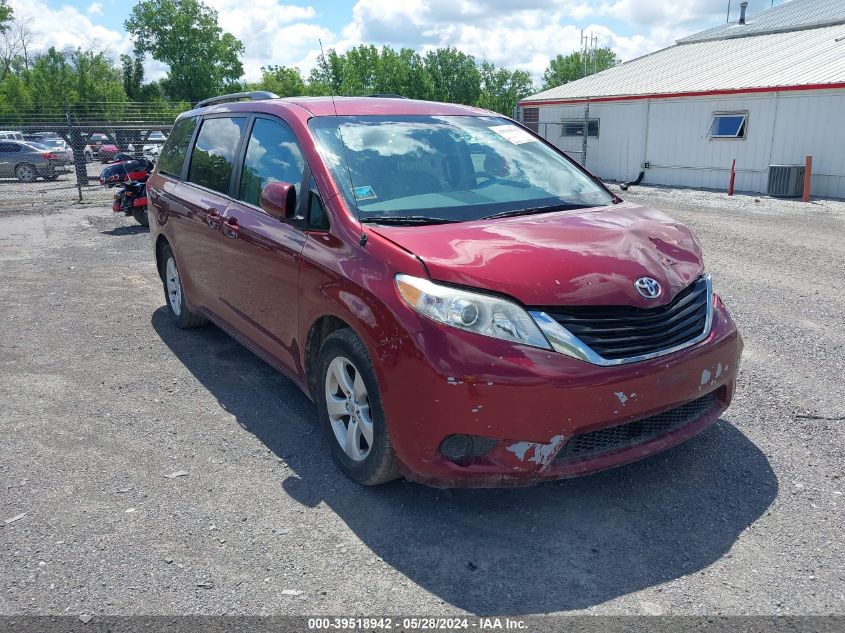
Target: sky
x,y
518,34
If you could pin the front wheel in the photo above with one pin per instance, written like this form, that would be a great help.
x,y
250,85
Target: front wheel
x,y
140,215
26,172
350,410
175,296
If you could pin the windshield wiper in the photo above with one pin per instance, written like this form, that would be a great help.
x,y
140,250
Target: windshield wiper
x,y
405,220
535,210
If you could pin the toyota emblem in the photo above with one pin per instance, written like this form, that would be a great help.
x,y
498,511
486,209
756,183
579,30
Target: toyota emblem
x,y
648,287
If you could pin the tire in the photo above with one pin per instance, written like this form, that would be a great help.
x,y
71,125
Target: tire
x,y
375,462
26,172
140,216
183,317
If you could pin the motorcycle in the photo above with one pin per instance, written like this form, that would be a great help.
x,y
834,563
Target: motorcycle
x,y
129,175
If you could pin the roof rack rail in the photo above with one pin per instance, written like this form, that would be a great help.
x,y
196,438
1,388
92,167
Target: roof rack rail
x,y
387,95
255,95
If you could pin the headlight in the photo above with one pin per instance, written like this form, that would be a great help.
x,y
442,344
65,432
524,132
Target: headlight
x,y
482,314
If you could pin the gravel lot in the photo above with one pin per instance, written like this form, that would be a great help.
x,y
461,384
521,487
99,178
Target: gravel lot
x,y
101,398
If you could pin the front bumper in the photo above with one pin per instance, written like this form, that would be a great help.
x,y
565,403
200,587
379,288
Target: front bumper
x,y
444,381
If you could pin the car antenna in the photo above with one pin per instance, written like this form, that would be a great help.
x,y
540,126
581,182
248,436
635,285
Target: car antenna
x,y
363,239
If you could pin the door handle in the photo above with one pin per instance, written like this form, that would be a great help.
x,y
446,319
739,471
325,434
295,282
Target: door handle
x,y
212,218
230,227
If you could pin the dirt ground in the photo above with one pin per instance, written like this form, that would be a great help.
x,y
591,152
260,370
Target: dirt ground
x,y
102,400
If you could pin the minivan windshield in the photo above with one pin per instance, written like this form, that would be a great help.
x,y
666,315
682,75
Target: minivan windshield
x,y
422,169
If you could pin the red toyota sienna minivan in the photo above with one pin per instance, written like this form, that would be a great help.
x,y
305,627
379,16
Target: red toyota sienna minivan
x,y
466,304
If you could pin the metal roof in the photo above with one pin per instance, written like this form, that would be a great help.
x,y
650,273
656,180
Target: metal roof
x,y
788,59
789,16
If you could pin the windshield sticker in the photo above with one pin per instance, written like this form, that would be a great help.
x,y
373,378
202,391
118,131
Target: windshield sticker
x,y
515,135
365,193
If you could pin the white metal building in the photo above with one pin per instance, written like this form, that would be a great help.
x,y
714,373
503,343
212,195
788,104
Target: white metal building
x,y
764,92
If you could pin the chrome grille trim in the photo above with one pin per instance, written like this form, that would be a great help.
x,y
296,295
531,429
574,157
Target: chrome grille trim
x,y
564,342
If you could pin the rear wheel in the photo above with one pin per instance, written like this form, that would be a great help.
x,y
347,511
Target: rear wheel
x,y
26,172
140,215
350,410
174,295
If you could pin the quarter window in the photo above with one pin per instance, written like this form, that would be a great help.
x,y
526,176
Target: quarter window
x,y
214,152
173,154
575,127
317,219
271,156
728,125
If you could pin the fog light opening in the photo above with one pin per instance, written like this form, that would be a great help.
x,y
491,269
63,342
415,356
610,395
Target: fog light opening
x,y
462,449
456,447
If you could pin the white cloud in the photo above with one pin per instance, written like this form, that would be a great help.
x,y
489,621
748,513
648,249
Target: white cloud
x,y
67,28
273,33
521,34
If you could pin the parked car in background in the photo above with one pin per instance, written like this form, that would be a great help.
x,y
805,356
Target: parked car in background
x,y
96,141
108,152
58,145
11,135
26,161
465,303
152,148
39,137
152,152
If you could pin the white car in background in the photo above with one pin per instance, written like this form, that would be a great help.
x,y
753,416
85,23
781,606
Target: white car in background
x,y
155,141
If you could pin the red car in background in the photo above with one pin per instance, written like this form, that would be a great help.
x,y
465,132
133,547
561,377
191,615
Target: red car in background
x,y
466,305
96,141
107,152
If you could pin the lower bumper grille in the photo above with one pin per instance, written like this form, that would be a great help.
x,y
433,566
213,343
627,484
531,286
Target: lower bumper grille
x,y
617,438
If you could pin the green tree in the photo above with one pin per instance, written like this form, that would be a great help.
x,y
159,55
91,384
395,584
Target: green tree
x,y
326,77
52,82
15,98
5,15
502,88
185,35
454,76
284,81
565,68
132,74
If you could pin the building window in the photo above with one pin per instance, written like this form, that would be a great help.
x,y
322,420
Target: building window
x,y
728,125
531,118
575,127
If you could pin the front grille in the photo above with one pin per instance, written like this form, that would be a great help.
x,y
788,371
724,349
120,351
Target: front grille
x,y
617,438
620,332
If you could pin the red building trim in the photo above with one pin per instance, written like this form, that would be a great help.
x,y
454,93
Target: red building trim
x,y
700,93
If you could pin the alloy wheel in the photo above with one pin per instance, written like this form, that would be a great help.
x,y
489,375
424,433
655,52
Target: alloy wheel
x,y
26,173
348,406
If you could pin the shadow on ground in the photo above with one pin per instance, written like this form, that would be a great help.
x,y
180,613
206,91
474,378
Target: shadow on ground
x,y
554,547
126,229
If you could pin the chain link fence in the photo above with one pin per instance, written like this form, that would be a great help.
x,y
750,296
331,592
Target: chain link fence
x,y
54,155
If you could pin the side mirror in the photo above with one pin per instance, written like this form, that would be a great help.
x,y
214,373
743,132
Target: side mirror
x,y
278,199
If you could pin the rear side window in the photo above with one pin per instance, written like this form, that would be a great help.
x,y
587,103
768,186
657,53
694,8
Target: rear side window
x,y
173,155
271,156
214,152
9,148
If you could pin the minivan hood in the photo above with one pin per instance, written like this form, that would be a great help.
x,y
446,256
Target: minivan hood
x,y
584,257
